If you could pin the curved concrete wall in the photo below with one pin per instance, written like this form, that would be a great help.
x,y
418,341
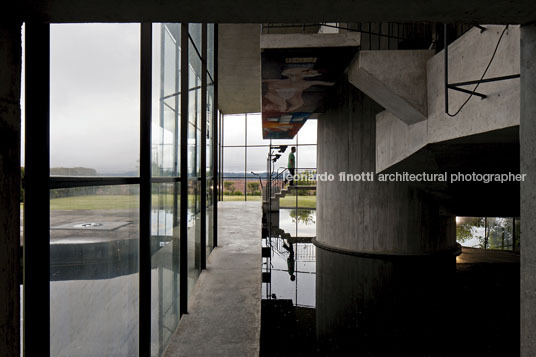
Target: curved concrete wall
x,y
392,307
370,217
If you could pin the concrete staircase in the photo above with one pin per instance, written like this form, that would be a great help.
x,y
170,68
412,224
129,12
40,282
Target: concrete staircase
x,y
275,203
280,233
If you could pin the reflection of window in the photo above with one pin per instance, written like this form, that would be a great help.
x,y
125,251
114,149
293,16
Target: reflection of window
x,y
244,150
165,122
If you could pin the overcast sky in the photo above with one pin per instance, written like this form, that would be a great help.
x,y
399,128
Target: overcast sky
x,y
94,106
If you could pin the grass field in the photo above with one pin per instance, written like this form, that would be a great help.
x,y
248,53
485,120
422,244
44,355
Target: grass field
x,y
105,202
93,202
303,201
241,198
288,201
123,202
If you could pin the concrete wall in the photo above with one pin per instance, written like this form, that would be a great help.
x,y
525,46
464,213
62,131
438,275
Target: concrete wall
x,y
396,140
468,57
10,130
376,217
239,68
394,79
528,190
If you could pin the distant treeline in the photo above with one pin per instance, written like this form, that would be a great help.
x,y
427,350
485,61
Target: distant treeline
x,y
263,175
72,171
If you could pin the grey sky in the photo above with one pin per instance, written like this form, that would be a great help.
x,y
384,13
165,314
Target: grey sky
x,y
234,158
94,103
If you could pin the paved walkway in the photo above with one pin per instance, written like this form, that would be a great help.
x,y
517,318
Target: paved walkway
x,y
225,309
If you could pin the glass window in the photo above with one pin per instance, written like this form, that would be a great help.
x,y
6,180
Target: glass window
x,y
233,162
284,141
254,122
308,132
94,99
234,127
194,154
488,232
170,36
306,157
165,256
210,128
94,237
166,100
194,233
165,247
210,49
253,188
257,157
94,232
195,35
210,217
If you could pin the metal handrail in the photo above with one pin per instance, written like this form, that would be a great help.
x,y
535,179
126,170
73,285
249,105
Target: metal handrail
x,y
276,182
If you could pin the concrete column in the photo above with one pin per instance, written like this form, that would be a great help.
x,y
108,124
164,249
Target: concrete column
x,y
381,298
388,307
10,129
527,138
375,217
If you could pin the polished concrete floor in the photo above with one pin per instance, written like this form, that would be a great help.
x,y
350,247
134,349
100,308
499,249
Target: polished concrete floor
x,y
224,316
470,308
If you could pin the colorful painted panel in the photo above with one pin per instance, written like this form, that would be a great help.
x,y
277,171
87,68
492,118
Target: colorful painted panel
x,y
295,84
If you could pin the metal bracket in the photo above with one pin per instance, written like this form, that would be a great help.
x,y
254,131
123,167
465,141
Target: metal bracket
x,y
456,86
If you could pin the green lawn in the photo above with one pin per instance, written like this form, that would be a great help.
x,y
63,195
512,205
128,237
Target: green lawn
x,y
93,202
303,201
109,202
106,202
288,201
241,198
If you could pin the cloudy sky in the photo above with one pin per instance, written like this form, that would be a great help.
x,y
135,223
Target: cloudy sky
x,y
94,104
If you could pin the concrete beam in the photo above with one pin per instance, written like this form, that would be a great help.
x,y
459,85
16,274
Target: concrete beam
x,y
299,40
10,130
239,68
527,136
275,11
394,79
396,140
468,57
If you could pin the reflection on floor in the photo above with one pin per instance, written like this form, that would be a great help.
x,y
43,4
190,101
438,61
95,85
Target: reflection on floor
x,y
288,306
224,311
319,303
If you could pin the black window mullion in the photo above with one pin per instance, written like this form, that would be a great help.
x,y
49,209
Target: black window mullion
x,y
183,221
37,192
215,175
203,163
145,191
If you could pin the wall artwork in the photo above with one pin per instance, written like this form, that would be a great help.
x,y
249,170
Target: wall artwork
x,y
295,85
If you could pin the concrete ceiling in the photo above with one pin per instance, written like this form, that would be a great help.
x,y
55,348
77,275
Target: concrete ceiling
x,y
492,152
239,68
274,11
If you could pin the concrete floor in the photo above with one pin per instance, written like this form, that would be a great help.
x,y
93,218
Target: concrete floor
x,y
476,255
224,316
